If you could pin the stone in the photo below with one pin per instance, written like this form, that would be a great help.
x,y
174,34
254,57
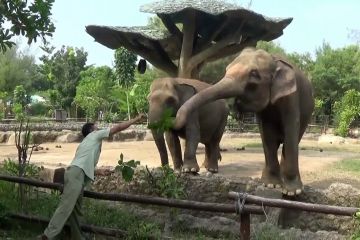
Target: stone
x,y
125,135
343,194
4,136
69,138
11,139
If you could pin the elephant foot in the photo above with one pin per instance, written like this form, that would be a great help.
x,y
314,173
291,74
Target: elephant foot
x,y
271,180
177,170
190,168
293,186
211,167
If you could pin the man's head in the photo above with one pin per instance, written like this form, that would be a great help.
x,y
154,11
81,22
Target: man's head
x,y
88,128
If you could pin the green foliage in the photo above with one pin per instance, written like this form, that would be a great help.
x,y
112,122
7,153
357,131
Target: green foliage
x,y
156,23
92,93
269,231
101,214
13,168
3,214
19,112
2,110
271,47
20,101
335,71
17,68
127,169
212,72
349,165
166,184
125,64
319,103
140,90
347,110
165,123
357,215
31,20
62,69
39,109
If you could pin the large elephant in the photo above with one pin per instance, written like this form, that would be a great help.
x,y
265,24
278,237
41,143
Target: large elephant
x,y
205,125
281,96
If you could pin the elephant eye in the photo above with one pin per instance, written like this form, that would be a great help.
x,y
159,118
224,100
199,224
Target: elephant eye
x,y
254,73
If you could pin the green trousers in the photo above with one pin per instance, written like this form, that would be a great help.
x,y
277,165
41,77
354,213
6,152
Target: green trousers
x,y
69,209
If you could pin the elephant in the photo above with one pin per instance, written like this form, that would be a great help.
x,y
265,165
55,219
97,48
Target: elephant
x,y
282,98
205,125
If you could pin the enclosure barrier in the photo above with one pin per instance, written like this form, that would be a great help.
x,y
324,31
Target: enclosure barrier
x,y
243,198
176,203
240,207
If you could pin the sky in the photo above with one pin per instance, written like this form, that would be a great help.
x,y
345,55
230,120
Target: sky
x,y
313,23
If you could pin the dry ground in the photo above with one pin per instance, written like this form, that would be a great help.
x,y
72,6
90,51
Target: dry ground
x,y
235,162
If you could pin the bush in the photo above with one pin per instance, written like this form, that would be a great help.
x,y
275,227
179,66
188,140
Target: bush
x,y
39,109
347,110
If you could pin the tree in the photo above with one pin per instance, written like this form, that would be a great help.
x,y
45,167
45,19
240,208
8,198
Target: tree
x,y
63,70
31,20
141,90
347,110
21,99
16,69
125,64
334,72
271,47
92,93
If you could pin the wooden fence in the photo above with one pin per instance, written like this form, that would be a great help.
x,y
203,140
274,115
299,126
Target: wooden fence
x,y
242,206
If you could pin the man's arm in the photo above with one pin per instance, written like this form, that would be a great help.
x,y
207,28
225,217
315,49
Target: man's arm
x,y
124,125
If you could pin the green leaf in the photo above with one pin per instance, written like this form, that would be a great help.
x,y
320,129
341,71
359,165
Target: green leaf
x,y
127,173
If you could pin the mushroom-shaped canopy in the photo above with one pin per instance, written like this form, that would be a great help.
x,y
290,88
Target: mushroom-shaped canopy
x,y
220,29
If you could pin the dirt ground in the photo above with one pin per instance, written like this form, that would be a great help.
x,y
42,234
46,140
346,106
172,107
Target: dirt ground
x,y
235,162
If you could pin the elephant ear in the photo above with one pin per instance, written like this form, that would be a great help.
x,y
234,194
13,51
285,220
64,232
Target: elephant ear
x,y
283,82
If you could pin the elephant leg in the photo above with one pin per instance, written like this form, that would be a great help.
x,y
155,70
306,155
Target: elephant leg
x,y
173,143
270,137
212,156
290,155
212,149
191,143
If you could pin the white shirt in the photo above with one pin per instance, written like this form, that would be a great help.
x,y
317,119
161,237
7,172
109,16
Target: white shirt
x,y
88,152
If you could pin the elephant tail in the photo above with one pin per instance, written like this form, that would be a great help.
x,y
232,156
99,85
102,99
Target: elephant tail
x,y
219,157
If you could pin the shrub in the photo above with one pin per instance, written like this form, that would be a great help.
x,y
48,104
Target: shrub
x,y
347,110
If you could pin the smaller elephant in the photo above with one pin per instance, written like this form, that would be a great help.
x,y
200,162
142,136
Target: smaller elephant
x,y
282,97
205,125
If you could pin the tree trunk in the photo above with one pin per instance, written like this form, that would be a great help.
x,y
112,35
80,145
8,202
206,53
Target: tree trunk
x,y
185,70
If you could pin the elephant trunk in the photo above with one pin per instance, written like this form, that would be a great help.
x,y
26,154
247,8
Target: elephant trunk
x,y
155,114
161,146
225,88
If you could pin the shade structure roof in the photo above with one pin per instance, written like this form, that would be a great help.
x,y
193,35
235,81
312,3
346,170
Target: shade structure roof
x,y
215,21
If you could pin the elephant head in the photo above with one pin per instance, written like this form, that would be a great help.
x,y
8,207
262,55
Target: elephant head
x,y
163,97
255,78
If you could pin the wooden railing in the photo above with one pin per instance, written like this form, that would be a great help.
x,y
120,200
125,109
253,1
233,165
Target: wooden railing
x,y
242,205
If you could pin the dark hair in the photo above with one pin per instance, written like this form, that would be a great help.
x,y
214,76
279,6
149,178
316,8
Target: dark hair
x,y
87,128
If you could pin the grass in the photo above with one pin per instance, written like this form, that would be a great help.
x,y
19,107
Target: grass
x,y
348,165
95,212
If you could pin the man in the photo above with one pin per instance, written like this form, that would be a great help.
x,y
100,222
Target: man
x,y
77,175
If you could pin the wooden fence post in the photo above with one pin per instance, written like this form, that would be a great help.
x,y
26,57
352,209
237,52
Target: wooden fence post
x,y
245,226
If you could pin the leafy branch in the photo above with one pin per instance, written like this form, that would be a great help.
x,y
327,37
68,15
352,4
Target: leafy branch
x,y
127,169
165,123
